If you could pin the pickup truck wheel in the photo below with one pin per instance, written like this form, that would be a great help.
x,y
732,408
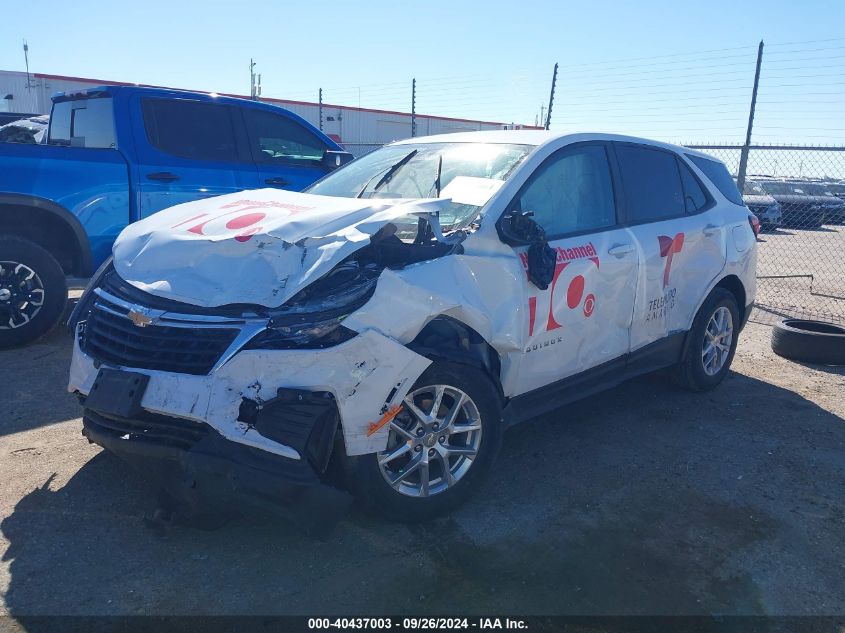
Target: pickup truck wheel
x,y
440,446
711,343
33,291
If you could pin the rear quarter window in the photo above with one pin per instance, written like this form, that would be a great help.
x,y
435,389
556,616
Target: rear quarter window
x,y
83,123
718,174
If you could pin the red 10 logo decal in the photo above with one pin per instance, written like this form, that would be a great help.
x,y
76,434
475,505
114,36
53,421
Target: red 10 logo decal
x,y
577,298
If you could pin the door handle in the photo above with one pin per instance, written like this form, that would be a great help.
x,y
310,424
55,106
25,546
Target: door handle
x,y
277,182
620,250
711,229
165,176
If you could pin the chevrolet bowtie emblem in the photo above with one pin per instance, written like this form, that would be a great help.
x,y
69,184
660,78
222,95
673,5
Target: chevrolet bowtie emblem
x,y
139,318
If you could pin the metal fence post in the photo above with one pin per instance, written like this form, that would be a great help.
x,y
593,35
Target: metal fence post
x,y
414,106
320,96
743,158
551,99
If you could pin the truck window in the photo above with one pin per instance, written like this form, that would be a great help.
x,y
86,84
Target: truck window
x,y
275,138
83,123
190,129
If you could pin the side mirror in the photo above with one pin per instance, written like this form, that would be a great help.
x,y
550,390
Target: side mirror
x,y
332,159
518,228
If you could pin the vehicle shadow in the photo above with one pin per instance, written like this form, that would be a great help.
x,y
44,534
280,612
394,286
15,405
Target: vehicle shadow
x,y
640,500
34,384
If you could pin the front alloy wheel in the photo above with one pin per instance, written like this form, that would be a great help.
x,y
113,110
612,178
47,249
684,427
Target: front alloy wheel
x,y
439,447
432,444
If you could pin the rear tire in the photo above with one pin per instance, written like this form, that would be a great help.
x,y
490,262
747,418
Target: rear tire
x,y
33,291
469,453
711,343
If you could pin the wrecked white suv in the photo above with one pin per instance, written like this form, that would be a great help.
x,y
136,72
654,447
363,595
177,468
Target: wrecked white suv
x,y
387,325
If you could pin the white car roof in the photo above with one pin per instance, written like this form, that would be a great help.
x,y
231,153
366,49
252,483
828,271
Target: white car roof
x,y
542,137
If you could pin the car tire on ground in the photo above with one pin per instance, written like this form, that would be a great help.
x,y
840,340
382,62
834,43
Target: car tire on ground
x,y
465,431
711,343
33,291
809,341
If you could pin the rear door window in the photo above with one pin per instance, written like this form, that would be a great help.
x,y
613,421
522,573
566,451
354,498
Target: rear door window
x,y
652,183
190,129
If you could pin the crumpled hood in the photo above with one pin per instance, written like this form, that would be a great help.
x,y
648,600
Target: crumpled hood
x,y
255,247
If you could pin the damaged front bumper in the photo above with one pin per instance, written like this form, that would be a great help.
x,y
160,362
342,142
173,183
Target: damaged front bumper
x,y
256,418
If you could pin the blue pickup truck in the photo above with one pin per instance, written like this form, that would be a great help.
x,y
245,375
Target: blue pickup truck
x,y
116,154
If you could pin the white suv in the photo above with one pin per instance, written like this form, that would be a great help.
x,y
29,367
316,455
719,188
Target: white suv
x,y
390,323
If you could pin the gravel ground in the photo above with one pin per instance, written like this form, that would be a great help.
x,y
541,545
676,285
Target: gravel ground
x,y
641,500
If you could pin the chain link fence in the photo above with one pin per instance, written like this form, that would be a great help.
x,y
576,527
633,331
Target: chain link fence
x,y
798,193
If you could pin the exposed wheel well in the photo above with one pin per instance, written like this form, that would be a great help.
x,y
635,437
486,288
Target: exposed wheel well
x,y
448,339
732,284
48,230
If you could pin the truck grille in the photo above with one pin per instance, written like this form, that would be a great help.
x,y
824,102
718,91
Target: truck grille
x,y
110,336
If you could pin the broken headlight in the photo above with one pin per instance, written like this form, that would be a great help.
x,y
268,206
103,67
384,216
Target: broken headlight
x,y
313,335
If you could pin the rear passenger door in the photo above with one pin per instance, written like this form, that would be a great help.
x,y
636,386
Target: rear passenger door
x,y
583,318
188,149
679,236
288,155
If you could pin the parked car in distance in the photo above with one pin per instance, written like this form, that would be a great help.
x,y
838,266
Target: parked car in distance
x,y
406,309
799,209
761,204
834,207
27,130
117,154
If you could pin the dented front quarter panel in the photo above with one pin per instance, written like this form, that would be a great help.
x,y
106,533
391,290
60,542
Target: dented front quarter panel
x,y
482,288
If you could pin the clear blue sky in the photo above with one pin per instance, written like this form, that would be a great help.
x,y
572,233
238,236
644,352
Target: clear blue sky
x,y
676,70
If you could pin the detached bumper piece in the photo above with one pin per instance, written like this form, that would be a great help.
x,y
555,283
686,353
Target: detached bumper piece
x,y
198,468
303,420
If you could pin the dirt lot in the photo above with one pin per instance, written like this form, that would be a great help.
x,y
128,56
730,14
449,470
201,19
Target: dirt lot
x,y
642,500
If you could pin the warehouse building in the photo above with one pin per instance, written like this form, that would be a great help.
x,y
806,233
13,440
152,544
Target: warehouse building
x,y
359,129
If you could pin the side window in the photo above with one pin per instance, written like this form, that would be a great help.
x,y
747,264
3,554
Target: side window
x,y
652,183
83,123
190,129
694,197
276,138
719,175
571,192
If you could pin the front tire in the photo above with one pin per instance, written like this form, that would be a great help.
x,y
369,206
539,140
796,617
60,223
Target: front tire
x,y
33,291
711,343
440,446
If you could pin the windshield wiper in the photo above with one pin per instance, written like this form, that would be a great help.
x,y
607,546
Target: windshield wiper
x,y
437,179
388,175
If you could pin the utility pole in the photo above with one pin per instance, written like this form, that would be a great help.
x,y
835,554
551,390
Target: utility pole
x,y
33,106
414,107
551,99
252,93
320,101
743,157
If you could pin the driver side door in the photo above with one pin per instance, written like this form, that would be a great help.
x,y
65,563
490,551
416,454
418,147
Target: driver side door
x,y
583,318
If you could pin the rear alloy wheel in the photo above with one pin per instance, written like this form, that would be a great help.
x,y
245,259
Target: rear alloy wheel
x,y
33,291
711,342
439,446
